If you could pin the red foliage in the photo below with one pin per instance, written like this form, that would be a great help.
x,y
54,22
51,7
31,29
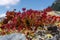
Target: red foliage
x,y
33,17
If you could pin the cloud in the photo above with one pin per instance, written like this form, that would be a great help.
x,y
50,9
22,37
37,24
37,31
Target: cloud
x,y
8,2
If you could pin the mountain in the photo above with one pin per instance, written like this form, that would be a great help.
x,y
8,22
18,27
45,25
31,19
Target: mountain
x,y
56,5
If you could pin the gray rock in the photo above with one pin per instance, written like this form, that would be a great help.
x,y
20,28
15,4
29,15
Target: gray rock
x,y
14,36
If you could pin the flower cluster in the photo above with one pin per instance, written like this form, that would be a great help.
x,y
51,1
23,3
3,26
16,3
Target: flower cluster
x,y
27,20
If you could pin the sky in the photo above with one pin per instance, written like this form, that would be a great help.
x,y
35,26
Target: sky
x,y
6,5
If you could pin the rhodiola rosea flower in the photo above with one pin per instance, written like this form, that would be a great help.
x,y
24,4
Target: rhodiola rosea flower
x,y
23,9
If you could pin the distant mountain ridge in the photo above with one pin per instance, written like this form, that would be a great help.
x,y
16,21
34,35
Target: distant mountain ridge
x,y
56,5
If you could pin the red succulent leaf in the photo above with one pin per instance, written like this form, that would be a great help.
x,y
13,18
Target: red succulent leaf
x,y
8,26
14,28
20,28
2,27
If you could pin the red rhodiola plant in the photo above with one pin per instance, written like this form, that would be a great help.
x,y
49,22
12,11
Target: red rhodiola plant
x,y
27,19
